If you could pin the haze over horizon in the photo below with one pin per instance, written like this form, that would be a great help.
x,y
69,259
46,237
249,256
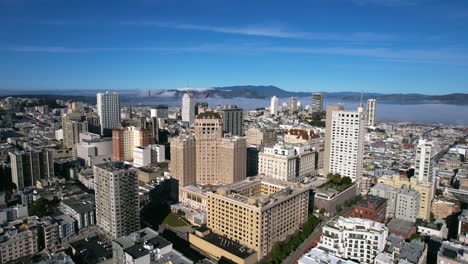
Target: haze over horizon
x,y
379,46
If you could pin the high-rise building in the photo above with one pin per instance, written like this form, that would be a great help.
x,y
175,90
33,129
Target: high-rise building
x,y
354,238
287,162
182,163
94,125
371,108
346,143
292,105
233,120
117,200
424,164
317,103
124,140
28,166
258,212
188,108
73,124
328,135
160,111
211,148
274,105
217,160
108,106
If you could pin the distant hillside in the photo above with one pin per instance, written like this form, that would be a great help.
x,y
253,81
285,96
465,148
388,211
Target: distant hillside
x,y
241,91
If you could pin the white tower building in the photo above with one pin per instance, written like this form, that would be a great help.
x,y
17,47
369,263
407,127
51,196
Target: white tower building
x,y
371,107
274,105
423,171
346,143
108,106
188,108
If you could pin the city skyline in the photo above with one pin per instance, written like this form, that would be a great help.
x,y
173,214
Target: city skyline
x,y
387,46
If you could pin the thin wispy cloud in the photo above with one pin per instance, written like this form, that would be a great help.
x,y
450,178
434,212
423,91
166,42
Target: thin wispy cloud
x,y
389,3
391,55
272,31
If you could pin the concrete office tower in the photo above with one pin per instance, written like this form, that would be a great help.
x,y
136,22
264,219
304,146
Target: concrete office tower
x,y
72,125
371,108
258,212
292,105
287,162
274,105
328,135
117,200
354,238
346,152
188,108
233,120
108,106
317,103
28,166
124,140
182,163
160,111
424,164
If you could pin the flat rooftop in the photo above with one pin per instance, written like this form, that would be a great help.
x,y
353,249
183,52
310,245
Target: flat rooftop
x,y
371,202
114,166
229,245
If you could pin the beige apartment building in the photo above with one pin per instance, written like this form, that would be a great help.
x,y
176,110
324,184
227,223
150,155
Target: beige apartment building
x,y
208,158
73,124
259,136
258,212
425,189
292,162
182,163
18,242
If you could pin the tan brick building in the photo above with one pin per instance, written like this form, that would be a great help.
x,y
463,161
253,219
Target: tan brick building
x,y
124,140
208,158
258,212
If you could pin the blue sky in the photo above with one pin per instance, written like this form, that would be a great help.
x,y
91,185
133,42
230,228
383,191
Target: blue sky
x,y
388,46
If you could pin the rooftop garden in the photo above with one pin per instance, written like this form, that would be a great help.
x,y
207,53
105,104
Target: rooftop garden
x,y
336,182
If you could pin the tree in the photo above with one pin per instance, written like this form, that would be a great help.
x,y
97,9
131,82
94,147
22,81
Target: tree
x,y
346,180
39,208
338,208
322,211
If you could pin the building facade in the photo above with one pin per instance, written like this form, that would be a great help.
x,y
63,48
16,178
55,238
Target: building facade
x,y
260,136
117,200
274,106
317,103
354,238
233,121
125,140
108,106
424,164
371,109
346,146
402,203
258,212
182,163
72,125
188,108
28,166
287,162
